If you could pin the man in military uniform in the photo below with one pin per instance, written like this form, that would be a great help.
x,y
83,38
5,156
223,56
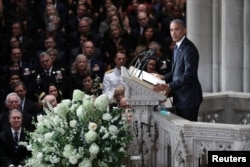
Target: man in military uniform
x,y
46,74
112,78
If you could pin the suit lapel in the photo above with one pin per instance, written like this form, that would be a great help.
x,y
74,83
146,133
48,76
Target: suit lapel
x,y
178,54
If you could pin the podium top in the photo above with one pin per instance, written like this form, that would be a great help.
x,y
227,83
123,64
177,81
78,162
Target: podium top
x,y
142,83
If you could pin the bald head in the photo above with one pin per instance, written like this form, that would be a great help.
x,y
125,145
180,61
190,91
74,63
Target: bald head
x,y
51,99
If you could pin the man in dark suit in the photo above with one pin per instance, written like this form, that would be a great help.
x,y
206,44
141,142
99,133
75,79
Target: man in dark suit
x,y
95,62
11,153
12,102
183,80
26,105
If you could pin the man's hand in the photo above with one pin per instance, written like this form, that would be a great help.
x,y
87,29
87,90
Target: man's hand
x,y
162,87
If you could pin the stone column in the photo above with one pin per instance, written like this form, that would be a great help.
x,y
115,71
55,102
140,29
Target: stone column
x,y
246,36
199,30
232,45
216,46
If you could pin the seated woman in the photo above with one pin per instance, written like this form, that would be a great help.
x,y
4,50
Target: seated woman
x,y
151,65
119,93
78,69
91,85
53,90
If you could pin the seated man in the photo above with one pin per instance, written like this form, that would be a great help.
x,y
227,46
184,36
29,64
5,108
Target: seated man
x,y
48,102
127,114
13,101
113,77
11,153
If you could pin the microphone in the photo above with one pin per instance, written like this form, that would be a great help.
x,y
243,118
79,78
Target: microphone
x,y
147,55
144,55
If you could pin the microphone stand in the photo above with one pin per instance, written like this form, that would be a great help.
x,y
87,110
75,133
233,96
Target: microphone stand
x,y
146,62
147,56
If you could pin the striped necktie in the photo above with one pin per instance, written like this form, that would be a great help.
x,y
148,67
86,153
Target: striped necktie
x,y
16,136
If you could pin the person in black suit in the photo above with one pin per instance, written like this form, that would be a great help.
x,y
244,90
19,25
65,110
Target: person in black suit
x,y
12,102
11,153
182,81
27,105
95,60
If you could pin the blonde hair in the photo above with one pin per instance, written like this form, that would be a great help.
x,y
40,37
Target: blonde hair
x,y
120,89
77,59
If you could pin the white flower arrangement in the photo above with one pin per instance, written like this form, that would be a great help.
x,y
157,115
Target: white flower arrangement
x,y
80,132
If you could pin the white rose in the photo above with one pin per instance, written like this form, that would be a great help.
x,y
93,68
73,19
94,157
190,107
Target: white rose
x,y
80,113
73,123
73,159
48,136
106,117
40,140
40,118
29,147
39,156
113,129
85,163
106,135
102,129
102,102
90,136
115,118
68,149
121,150
94,149
92,126
54,159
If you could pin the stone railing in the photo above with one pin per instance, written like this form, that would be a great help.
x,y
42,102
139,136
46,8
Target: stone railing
x,y
176,142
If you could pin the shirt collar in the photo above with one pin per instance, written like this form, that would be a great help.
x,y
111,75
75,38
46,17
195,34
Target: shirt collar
x,y
179,42
13,131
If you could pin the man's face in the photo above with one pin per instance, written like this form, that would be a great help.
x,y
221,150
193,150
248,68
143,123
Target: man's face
x,y
81,11
16,30
88,48
177,31
120,60
16,55
83,27
142,19
13,103
49,43
46,62
15,120
20,91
